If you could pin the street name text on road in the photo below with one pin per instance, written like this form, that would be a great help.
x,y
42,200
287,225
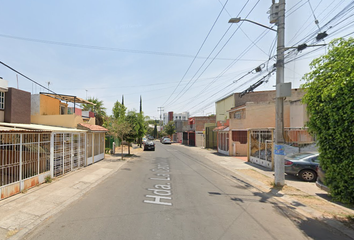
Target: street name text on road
x,y
161,191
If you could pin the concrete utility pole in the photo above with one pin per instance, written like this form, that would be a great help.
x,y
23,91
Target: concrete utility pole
x,y
279,151
160,109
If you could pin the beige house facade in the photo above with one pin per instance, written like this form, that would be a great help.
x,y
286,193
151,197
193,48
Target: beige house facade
x,y
257,111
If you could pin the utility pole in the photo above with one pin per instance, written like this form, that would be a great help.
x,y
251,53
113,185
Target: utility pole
x,y
281,88
160,109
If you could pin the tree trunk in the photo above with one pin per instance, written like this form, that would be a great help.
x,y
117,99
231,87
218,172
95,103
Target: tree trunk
x,y
128,148
122,150
121,146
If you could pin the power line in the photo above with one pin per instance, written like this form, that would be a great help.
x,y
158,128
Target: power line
x,y
26,77
190,65
182,93
105,48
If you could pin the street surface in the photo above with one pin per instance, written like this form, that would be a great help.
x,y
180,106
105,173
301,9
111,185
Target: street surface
x,y
171,193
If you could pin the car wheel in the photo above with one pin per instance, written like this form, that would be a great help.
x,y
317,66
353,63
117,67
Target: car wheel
x,y
308,175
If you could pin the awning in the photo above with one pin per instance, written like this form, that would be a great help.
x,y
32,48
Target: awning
x,y
91,128
43,128
67,98
221,129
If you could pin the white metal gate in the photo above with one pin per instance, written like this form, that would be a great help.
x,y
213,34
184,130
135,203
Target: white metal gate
x,y
261,145
69,152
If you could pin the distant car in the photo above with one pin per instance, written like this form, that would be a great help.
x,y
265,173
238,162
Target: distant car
x,y
321,179
166,140
149,145
144,139
302,165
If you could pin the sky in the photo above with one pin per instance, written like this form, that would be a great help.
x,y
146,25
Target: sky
x,y
179,56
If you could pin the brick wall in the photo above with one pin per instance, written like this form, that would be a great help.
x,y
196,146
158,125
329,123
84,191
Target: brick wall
x,y
17,106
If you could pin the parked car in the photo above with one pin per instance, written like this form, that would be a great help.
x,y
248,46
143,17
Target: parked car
x,y
166,140
144,139
321,179
302,165
149,145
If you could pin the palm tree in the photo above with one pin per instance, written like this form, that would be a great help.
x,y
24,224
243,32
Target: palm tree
x,y
98,109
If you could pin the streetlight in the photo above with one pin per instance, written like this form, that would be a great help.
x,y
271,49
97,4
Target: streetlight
x,y
237,20
282,90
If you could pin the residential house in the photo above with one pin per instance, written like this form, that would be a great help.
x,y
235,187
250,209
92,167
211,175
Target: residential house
x,y
171,116
56,144
252,122
52,109
3,90
194,136
222,106
178,136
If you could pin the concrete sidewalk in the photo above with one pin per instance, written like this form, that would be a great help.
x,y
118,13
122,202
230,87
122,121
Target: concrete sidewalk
x,y
24,211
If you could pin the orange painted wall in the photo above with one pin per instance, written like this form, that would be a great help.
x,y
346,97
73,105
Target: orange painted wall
x,y
49,105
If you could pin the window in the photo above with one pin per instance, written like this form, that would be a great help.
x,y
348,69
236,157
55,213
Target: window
x,y
241,114
2,100
237,115
239,136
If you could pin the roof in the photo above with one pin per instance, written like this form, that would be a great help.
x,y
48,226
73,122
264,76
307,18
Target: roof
x,y
237,108
12,130
221,128
38,127
225,97
67,98
90,127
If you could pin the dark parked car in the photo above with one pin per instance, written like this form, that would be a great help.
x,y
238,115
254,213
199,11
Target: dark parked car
x,y
321,179
302,165
149,145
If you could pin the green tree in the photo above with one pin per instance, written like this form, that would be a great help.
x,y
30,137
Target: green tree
x,y
118,128
132,119
155,131
142,127
170,128
97,109
117,125
119,111
329,97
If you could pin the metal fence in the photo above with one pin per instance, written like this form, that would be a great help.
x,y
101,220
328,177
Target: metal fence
x,y
298,140
23,155
69,152
261,144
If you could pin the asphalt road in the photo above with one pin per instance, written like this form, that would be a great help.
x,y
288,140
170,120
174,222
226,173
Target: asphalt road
x,y
172,193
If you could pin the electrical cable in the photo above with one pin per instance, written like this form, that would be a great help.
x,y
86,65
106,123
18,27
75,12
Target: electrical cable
x,y
26,77
190,65
181,94
106,48
178,95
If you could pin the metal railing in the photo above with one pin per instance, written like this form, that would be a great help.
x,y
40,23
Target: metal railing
x,y
23,155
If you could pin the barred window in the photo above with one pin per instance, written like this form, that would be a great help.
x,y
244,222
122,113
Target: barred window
x,y
2,100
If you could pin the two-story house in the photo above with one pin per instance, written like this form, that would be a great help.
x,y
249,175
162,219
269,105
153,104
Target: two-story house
x,y
56,143
252,122
194,135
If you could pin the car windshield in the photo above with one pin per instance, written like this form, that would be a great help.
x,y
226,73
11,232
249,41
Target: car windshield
x,y
299,156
